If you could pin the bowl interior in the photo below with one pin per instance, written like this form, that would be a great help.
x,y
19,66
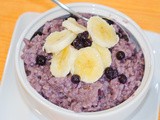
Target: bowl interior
x,y
93,9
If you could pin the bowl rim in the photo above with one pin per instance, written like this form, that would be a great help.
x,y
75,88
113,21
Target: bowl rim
x,y
31,91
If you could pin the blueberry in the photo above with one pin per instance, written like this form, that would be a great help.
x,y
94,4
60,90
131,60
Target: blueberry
x,y
78,44
122,78
111,73
75,79
87,43
82,41
83,35
40,60
120,55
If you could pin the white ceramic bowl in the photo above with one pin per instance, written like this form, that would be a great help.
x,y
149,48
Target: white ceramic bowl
x,y
52,112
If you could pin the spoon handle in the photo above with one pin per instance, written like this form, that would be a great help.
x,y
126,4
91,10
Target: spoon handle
x,y
69,10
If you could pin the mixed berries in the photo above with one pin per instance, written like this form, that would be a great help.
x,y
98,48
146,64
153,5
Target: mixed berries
x,y
111,73
81,41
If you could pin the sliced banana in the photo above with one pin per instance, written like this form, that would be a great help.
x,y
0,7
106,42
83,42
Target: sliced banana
x,y
104,53
61,63
88,65
101,32
57,41
72,25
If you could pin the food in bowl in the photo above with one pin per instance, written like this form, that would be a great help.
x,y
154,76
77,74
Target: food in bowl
x,y
83,66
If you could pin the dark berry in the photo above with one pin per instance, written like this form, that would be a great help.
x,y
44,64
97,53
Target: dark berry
x,y
40,60
38,32
122,78
82,41
110,22
87,43
83,35
120,55
111,73
78,44
75,79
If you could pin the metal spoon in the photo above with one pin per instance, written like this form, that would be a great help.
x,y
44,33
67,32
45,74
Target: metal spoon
x,y
125,30
69,10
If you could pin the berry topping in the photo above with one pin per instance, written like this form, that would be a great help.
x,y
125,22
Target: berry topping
x,y
82,41
77,44
40,60
111,73
87,43
120,55
83,35
122,78
75,79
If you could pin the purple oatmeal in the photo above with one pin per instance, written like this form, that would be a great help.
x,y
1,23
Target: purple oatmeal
x,y
117,84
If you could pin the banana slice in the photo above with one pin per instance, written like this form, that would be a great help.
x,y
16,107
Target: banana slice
x,y
88,65
57,41
61,63
101,32
104,53
72,25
